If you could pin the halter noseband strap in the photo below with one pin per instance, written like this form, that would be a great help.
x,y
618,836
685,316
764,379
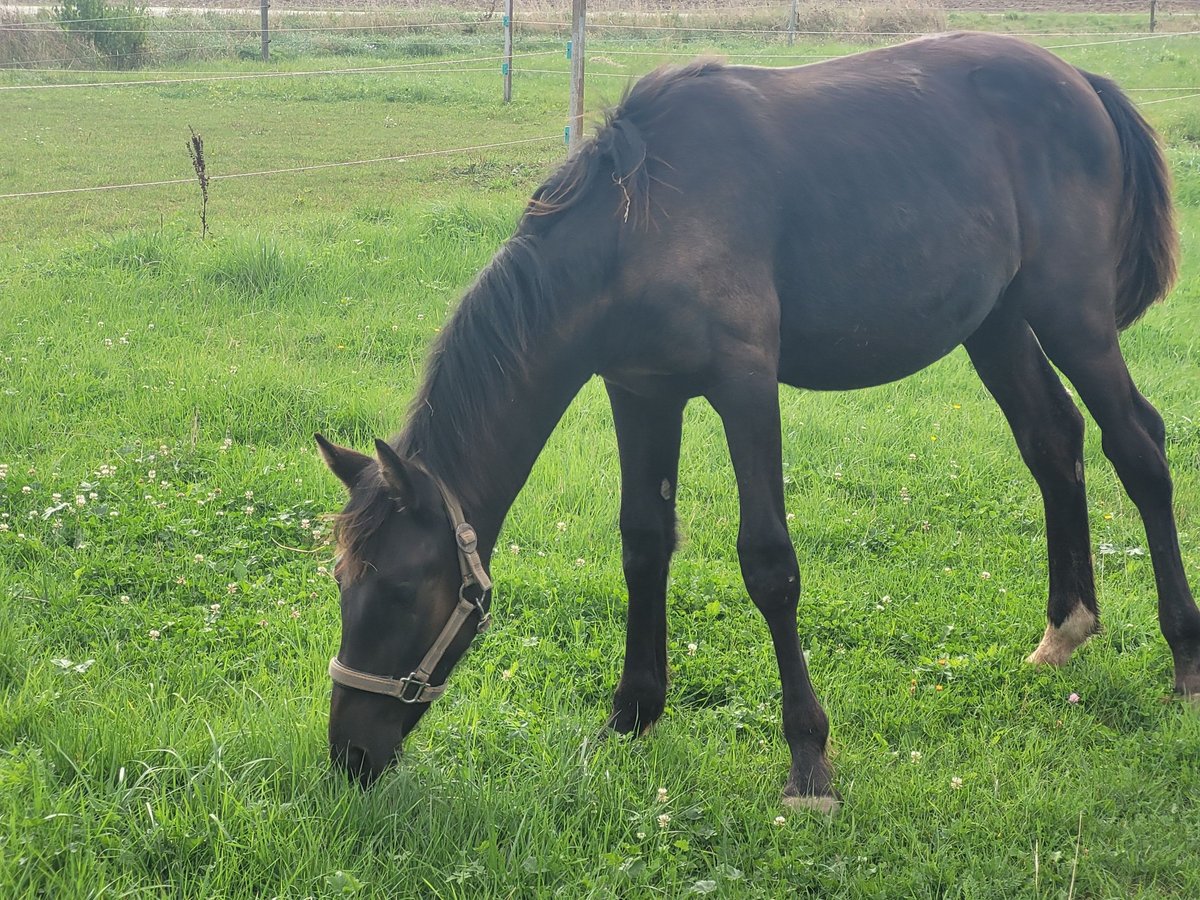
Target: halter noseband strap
x,y
415,687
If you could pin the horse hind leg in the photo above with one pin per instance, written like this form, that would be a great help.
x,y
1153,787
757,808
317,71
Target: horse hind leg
x,y
1049,433
1087,351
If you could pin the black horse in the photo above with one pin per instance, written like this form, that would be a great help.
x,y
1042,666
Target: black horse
x,y
731,227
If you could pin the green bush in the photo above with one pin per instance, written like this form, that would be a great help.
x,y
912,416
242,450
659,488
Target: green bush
x,y
119,32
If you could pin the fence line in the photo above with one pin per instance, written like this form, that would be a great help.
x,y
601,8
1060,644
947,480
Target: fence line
x,y
17,26
286,171
255,28
1145,37
1168,99
28,62
396,68
105,84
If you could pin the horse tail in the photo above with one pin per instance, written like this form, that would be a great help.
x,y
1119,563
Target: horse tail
x,y
1149,242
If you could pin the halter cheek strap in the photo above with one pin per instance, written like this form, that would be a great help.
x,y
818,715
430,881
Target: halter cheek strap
x,y
415,687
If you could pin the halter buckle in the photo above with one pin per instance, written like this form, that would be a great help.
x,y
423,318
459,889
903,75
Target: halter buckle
x,y
467,539
409,681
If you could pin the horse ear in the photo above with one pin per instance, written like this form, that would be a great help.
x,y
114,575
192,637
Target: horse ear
x,y
345,463
397,474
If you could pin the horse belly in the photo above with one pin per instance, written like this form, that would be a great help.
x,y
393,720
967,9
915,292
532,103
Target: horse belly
x,y
849,361
861,342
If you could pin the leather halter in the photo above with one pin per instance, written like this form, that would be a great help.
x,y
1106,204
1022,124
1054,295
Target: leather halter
x,y
415,687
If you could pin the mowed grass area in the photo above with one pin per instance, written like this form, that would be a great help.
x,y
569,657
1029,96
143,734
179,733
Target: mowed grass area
x,y
166,614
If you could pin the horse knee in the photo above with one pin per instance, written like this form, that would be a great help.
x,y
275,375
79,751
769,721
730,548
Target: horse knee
x,y
646,551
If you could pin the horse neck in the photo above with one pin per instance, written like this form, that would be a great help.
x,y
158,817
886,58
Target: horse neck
x,y
508,444
490,401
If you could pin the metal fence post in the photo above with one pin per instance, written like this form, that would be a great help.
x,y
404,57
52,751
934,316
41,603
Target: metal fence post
x,y
576,49
266,38
792,16
506,67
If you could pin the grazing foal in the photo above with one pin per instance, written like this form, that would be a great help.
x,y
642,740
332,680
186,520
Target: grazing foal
x,y
729,228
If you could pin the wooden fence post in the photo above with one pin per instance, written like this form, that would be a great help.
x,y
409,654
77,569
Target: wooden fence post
x,y
506,67
575,114
1153,11
792,24
266,39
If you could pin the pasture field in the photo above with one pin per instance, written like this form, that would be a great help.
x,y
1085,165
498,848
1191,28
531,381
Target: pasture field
x,y
166,614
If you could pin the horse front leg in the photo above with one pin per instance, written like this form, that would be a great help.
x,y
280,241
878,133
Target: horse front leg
x,y
648,435
748,405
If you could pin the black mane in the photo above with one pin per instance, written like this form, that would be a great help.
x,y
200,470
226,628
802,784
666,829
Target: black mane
x,y
482,352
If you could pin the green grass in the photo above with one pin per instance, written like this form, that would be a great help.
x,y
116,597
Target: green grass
x,y
163,642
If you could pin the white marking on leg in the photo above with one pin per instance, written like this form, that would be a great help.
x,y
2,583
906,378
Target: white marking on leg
x,y
824,805
1059,642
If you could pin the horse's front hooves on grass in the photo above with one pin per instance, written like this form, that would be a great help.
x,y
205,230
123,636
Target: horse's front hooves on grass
x,y
827,806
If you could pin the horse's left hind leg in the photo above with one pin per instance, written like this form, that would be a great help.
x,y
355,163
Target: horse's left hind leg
x,y
1049,433
1134,440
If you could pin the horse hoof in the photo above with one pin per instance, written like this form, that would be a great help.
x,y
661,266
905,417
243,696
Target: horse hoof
x,y
628,723
612,730
827,806
1189,688
1060,641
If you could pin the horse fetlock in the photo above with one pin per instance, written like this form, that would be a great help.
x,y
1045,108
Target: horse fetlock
x,y
825,805
1187,673
1060,641
810,786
